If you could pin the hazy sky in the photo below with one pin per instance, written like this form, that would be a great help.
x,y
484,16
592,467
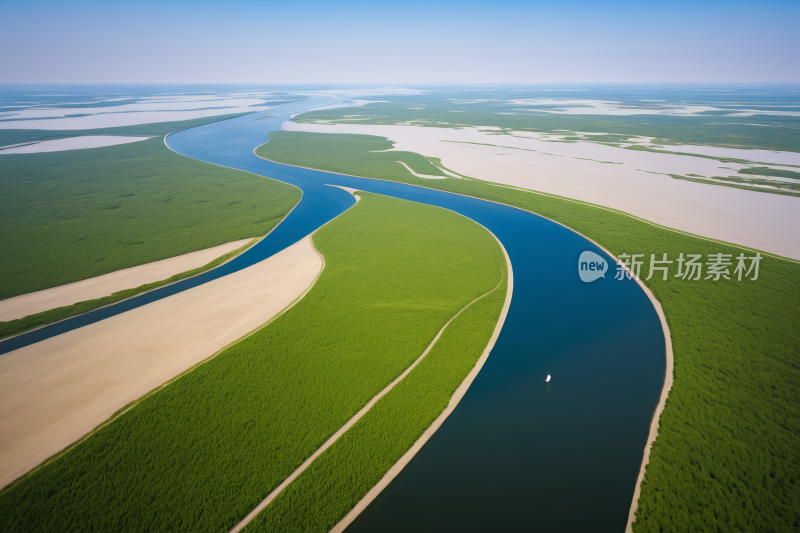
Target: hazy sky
x,y
398,42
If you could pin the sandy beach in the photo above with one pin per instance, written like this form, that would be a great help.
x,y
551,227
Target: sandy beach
x,y
627,180
55,391
107,284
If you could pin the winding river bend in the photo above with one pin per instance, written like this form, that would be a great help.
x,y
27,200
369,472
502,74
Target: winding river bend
x,y
516,453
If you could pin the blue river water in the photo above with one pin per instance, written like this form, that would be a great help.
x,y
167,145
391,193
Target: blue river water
x,y
516,453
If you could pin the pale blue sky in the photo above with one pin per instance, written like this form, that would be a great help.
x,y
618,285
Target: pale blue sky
x,y
403,42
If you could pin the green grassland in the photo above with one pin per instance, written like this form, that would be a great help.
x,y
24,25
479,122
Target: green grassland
x,y
640,148
726,458
335,153
333,484
202,452
705,130
777,173
68,216
775,187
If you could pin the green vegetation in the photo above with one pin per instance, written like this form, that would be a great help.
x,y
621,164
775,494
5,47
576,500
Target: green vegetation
x,y
706,130
202,452
495,145
21,325
775,173
373,159
775,187
68,216
726,458
605,138
640,148
343,474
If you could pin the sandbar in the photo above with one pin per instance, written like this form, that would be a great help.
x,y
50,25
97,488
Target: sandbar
x,y
56,391
107,284
423,176
71,143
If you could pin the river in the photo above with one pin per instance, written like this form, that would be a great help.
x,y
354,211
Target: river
x,y
516,453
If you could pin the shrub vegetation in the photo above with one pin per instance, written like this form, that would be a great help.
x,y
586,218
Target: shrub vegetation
x,y
726,458
333,484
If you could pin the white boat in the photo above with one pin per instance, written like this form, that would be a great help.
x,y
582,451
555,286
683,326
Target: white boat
x,y
548,379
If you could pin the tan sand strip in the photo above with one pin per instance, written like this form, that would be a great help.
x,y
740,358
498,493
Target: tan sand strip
x,y
423,176
54,392
271,496
668,380
654,423
107,284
